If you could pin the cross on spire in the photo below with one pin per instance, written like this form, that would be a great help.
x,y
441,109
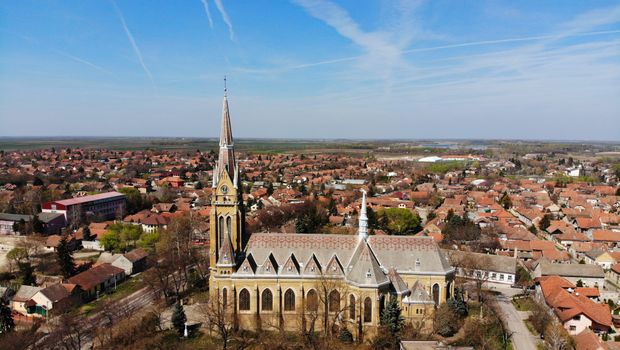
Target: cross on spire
x,y
225,88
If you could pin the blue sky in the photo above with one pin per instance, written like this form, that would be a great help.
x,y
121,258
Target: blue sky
x,y
311,68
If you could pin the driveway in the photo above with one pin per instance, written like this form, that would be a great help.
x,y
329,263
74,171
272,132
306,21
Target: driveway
x,y
522,339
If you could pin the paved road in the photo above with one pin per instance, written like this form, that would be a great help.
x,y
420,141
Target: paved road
x,y
522,339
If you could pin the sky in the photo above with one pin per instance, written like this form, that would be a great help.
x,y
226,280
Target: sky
x,y
385,69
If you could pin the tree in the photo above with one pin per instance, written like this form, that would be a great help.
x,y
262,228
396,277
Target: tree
x,y
545,222
178,318
458,303
111,241
37,225
15,256
556,337
220,315
392,320
505,201
579,283
345,336
134,199
6,319
65,258
26,273
399,221
446,321
86,235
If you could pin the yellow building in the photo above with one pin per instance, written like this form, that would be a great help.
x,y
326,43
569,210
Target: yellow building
x,y
311,281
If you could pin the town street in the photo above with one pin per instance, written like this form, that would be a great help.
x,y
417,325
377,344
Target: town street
x,y
522,339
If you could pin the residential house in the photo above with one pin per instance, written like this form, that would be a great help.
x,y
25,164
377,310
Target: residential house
x,y
575,311
494,270
22,300
590,275
57,297
98,279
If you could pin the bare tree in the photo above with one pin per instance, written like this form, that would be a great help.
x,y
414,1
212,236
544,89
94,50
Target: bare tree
x,y
220,317
556,337
471,268
69,333
332,296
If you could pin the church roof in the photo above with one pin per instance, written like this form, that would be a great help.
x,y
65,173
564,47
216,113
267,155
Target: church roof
x,y
226,256
418,295
383,252
364,269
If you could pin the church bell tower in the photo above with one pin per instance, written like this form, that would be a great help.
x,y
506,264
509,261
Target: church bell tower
x,y
226,238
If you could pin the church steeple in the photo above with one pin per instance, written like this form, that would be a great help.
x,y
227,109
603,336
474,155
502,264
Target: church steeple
x,y
226,160
362,230
227,238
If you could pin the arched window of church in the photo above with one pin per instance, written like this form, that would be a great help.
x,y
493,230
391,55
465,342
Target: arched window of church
x,y
244,300
224,298
229,225
436,294
266,300
289,300
367,310
220,231
334,301
312,301
352,306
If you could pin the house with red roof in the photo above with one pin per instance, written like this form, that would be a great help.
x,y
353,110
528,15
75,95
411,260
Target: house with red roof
x,y
576,311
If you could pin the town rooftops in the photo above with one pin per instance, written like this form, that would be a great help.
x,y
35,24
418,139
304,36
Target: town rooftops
x,y
55,292
571,270
96,275
15,217
136,255
496,263
85,199
25,293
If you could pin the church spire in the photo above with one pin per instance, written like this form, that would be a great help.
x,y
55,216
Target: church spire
x,y
226,160
362,230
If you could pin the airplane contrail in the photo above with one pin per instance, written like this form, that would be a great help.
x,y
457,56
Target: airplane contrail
x,y
136,49
80,60
453,46
205,3
225,18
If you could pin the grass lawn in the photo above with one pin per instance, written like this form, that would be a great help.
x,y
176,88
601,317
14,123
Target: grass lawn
x,y
122,290
524,304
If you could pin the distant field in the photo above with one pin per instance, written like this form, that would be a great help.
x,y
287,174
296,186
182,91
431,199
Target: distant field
x,y
386,148
187,144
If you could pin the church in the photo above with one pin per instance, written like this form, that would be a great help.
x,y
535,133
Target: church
x,y
296,282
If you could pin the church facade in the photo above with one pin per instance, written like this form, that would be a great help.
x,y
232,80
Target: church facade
x,y
311,281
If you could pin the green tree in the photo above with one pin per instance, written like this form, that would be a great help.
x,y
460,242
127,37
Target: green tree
x,y
178,318
26,273
148,241
545,222
579,283
111,241
446,321
6,319
345,336
392,320
64,258
399,221
134,199
37,225
86,234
